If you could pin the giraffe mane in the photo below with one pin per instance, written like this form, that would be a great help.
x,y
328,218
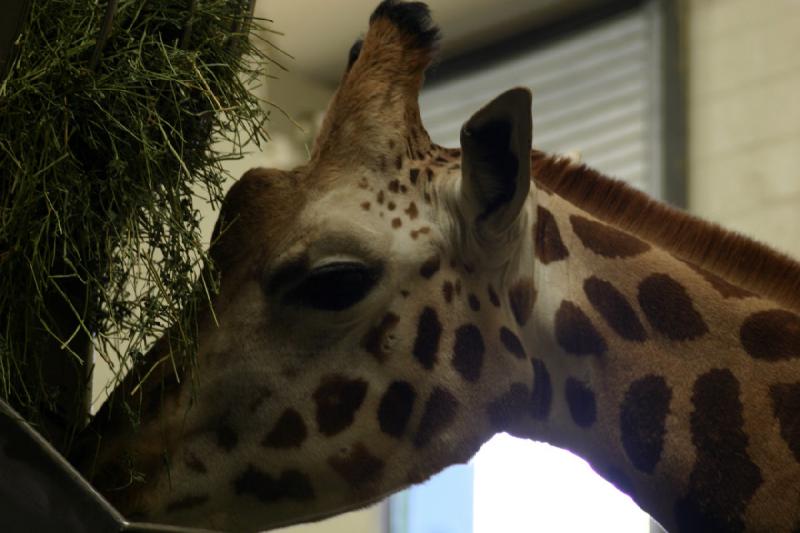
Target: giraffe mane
x,y
738,259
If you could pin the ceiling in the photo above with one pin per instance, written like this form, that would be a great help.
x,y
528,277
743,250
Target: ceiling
x,y
319,33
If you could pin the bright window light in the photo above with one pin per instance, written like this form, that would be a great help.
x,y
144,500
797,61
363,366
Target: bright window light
x,y
524,486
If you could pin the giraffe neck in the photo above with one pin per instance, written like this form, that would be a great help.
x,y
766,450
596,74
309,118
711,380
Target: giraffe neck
x,y
674,384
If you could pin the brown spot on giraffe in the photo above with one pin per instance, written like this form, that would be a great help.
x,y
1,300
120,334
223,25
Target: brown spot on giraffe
x,y
290,371
396,223
262,395
187,502
581,402
194,463
492,294
724,477
643,415
509,406
376,340
512,343
447,291
612,305
772,335
521,297
605,240
365,206
358,467
412,211
413,176
396,407
227,438
290,485
474,303
429,174
542,391
380,197
786,408
168,390
430,267
289,431
575,332
468,352
337,399
439,412
669,309
723,287
391,206
394,186
398,162
426,343
548,245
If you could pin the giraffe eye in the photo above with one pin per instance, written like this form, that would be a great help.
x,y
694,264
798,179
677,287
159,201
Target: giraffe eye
x,y
335,286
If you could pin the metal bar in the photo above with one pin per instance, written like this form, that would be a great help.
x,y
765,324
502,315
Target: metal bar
x,y
240,24
674,130
105,31
41,491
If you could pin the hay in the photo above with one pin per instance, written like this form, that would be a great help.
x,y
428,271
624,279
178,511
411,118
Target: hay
x,y
106,134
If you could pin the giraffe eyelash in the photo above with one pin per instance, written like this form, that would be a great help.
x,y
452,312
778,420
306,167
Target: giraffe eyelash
x,y
335,286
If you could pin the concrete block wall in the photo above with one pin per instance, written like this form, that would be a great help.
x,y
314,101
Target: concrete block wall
x,y
743,60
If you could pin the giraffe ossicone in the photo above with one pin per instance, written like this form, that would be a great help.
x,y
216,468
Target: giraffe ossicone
x,y
390,305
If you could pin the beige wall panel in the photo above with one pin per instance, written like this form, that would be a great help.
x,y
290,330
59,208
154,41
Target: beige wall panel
x,y
777,226
748,55
744,181
716,17
744,116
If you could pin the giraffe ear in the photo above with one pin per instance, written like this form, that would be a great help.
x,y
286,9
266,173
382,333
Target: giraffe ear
x,y
496,162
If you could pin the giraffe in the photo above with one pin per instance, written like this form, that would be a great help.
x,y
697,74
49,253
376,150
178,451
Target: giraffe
x,y
390,305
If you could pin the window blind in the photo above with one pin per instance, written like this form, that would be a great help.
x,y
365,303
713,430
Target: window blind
x,y
595,92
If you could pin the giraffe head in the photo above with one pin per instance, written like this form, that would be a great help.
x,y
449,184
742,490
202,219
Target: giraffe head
x,y
369,305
